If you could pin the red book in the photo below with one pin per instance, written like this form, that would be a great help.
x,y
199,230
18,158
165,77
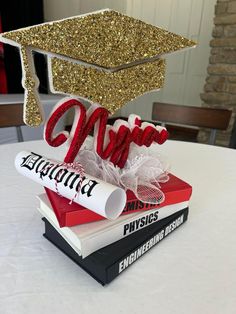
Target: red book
x,y
175,190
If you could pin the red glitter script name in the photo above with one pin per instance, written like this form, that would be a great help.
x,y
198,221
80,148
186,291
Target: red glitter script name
x,y
112,143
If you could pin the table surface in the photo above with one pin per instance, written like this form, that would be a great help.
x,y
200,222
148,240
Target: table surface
x,y
192,271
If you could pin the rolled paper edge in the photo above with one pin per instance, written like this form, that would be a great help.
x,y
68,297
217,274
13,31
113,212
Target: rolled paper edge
x,y
117,199
115,202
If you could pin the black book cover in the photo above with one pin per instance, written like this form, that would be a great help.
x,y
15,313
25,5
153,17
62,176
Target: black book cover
x,y
107,263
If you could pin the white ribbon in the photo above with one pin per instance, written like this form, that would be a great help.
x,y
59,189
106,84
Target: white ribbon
x,y
142,174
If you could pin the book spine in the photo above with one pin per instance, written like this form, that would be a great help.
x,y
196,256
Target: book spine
x,y
117,232
176,191
132,206
123,263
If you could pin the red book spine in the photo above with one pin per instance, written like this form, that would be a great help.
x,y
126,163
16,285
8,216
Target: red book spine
x,y
175,190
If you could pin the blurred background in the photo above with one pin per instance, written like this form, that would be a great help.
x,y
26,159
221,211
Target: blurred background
x,y
192,77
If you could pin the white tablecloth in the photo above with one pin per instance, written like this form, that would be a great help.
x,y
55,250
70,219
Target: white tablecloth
x,y
192,271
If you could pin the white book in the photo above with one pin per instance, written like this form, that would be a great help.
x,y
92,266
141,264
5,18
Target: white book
x,y
88,238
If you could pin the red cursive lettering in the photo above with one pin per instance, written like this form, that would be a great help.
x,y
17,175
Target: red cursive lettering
x,y
117,145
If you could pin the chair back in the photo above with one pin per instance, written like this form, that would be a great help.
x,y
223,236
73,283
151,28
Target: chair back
x,y
210,118
11,115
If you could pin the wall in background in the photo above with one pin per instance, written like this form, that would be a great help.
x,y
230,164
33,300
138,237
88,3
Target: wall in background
x,y
220,87
186,71
91,5
58,9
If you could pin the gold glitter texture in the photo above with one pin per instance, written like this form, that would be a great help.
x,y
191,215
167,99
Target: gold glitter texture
x,y
32,112
107,38
110,89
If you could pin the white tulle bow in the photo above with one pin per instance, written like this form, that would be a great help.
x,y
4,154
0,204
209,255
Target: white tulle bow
x,y
142,174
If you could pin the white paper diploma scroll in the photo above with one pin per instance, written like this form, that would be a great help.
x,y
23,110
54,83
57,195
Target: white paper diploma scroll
x,y
99,196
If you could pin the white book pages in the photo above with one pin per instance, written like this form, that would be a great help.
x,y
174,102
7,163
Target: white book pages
x,y
88,238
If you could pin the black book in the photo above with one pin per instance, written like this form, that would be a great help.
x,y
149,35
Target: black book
x,y
109,262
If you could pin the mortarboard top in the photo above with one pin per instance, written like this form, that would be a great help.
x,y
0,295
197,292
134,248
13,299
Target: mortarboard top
x,y
104,56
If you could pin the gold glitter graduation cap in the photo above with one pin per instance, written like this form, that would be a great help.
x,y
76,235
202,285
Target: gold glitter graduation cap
x,y
105,57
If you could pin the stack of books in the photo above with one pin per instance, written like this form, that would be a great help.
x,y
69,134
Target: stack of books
x,y
103,248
